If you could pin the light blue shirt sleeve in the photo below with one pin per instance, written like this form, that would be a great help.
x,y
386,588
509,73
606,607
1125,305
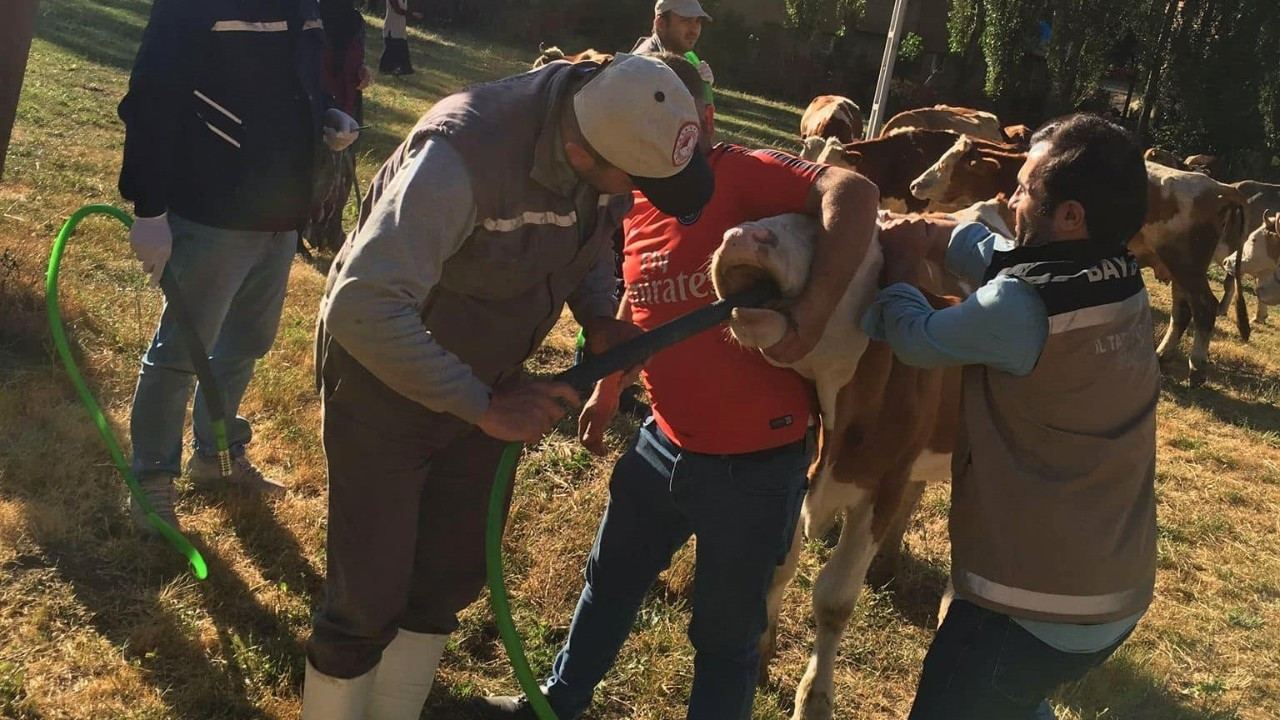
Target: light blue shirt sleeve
x,y
1003,324
1072,638
970,249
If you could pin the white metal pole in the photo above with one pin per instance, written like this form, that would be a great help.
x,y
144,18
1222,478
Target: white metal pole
x,y
886,68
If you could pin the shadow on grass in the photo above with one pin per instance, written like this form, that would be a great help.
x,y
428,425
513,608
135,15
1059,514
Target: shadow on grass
x,y
1118,689
102,31
201,654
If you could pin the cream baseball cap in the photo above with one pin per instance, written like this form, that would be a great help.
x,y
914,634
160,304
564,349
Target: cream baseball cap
x,y
686,8
640,117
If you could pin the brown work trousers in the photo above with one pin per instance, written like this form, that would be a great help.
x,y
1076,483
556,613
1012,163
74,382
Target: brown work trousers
x,y
408,495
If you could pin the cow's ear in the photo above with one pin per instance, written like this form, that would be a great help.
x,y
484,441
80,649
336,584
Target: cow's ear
x,y
984,164
853,157
1269,218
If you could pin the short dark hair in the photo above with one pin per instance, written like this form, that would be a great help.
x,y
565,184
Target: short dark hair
x,y
1096,163
687,72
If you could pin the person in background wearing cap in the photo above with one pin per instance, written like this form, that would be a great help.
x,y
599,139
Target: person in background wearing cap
x,y
495,212
677,25
725,455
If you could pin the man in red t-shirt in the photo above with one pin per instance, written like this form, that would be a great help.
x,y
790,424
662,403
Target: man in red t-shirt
x,y
726,453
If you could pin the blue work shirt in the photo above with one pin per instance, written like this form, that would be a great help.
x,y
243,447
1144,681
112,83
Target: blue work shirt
x,y
1003,325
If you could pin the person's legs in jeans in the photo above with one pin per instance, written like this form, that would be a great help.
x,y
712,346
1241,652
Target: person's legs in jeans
x,y
983,665
744,512
640,531
210,265
246,335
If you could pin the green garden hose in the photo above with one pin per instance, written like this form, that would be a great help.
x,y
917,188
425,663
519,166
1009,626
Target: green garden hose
x,y
582,377
213,396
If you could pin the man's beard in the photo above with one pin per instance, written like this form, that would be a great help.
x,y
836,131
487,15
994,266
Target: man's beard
x,y
1032,230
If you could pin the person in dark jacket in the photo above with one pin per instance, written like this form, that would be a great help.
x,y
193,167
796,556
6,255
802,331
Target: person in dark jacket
x,y
345,77
224,109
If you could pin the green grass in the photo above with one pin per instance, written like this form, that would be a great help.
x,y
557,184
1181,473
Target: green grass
x,y
95,623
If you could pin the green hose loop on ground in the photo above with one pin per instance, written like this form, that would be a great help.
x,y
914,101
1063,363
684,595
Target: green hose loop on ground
x,y
168,532
498,587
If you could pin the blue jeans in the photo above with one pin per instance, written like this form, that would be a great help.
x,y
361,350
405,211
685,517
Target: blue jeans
x,y
743,510
234,284
983,665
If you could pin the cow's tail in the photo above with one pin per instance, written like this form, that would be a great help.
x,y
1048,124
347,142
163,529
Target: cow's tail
x,y
1233,231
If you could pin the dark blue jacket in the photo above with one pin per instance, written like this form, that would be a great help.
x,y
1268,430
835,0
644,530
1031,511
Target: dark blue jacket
x,y
223,112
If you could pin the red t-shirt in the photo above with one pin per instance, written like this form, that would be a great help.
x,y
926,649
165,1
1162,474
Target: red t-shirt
x,y
711,395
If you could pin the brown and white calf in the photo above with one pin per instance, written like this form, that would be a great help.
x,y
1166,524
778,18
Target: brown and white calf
x,y
887,430
967,121
891,162
832,116
553,53
1261,251
1192,220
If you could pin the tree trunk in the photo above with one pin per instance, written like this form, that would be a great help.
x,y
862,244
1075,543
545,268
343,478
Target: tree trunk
x,y
17,25
1157,65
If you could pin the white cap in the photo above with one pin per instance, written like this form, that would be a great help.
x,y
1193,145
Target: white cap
x,y
637,113
685,8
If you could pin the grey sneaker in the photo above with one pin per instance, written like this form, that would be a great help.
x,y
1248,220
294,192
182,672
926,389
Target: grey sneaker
x,y
161,493
206,475
512,707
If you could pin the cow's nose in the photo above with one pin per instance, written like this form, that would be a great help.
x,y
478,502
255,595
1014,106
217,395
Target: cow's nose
x,y
764,237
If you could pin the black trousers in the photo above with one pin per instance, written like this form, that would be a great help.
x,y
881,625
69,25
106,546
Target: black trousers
x,y
984,666
408,498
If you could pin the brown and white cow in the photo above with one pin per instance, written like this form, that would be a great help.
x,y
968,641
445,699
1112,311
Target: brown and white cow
x,y
553,53
1192,220
1260,252
967,121
1019,135
891,162
887,430
832,116
970,171
1210,165
1165,158
1206,164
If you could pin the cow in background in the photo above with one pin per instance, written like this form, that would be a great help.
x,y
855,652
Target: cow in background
x,y
1017,135
553,53
1261,249
1192,220
832,116
891,162
1165,158
966,121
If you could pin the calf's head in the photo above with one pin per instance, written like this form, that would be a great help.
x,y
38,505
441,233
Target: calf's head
x,y
776,250
962,176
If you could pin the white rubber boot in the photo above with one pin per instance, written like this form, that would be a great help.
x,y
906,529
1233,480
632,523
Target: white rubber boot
x,y
405,675
331,698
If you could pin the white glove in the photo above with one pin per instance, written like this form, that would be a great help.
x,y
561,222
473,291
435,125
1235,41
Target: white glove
x,y
704,70
152,242
340,129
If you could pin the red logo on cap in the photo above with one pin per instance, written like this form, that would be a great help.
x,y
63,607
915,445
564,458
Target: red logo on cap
x,y
686,143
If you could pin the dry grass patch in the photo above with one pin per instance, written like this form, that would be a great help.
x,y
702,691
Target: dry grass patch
x,y
95,623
